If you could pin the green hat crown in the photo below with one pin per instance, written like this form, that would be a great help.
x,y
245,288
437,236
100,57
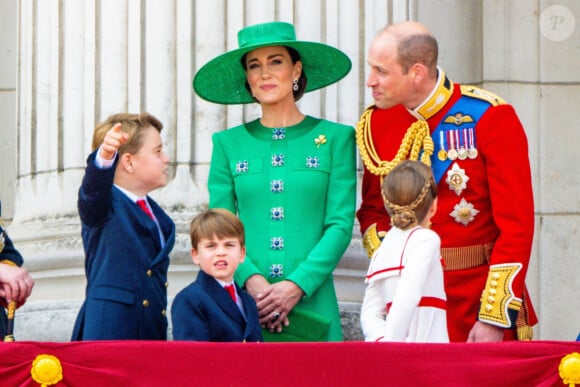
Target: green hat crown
x,y
222,79
264,34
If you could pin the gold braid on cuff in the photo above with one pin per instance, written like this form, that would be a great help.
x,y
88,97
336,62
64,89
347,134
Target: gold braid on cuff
x,y
372,239
499,305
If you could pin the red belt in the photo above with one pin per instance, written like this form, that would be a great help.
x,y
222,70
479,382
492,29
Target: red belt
x,y
427,301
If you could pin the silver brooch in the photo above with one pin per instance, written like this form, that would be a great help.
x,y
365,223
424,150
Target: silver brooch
x,y
277,186
277,213
277,243
279,134
276,270
312,162
242,166
277,160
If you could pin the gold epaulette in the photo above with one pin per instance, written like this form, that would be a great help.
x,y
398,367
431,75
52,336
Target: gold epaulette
x,y
372,239
476,92
498,298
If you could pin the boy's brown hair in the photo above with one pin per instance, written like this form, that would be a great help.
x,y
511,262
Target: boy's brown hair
x,y
133,124
217,222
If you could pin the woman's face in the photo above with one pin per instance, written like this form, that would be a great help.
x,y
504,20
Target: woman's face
x,y
270,74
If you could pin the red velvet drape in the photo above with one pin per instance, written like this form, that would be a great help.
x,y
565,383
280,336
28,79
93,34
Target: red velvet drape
x,y
134,363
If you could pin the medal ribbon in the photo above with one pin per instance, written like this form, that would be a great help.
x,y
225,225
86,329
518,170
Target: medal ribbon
x,y
476,108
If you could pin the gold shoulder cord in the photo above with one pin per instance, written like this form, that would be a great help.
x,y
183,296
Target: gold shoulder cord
x,y
416,138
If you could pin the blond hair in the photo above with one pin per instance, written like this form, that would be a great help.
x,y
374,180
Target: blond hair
x,y
133,124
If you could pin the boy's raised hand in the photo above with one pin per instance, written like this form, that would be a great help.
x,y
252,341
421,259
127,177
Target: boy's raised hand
x,y
113,141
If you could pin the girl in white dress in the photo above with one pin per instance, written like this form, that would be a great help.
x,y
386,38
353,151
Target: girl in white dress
x,y
405,297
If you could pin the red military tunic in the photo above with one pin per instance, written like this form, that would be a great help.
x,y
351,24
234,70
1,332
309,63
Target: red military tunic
x,y
495,199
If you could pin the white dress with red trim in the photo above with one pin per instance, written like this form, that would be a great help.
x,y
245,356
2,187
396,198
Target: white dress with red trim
x,y
405,297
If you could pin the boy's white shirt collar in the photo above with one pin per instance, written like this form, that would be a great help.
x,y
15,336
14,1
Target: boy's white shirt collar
x,y
224,284
131,195
238,298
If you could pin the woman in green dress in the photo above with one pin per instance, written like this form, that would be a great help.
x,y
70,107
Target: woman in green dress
x,y
290,177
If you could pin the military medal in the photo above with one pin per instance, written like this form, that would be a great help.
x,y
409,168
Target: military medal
x,y
442,154
452,153
457,179
462,152
464,212
472,151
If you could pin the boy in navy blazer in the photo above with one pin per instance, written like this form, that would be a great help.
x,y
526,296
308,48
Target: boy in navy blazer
x,y
214,308
126,235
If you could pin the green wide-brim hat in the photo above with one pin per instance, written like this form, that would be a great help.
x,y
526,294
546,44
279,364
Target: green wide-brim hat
x,y
222,79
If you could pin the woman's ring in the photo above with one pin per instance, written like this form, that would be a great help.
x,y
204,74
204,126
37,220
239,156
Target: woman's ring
x,y
275,316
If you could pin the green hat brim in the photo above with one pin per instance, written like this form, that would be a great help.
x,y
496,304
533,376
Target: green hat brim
x,y
222,79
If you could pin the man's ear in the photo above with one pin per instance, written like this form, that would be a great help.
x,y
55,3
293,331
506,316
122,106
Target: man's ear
x,y
419,72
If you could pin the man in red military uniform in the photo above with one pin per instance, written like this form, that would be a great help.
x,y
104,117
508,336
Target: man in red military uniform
x,y
478,150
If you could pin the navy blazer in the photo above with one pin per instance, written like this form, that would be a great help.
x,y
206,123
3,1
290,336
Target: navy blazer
x,y
204,311
125,265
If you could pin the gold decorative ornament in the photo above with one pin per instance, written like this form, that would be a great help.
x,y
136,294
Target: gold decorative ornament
x,y
46,370
569,369
464,212
485,95
416,138
498,296
439,97
457,179
458,119
372,239
320,140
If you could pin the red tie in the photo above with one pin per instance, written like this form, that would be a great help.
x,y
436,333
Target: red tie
x,y
141,203
231,291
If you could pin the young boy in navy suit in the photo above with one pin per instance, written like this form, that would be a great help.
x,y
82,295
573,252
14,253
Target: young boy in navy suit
x,y
214,308
126,235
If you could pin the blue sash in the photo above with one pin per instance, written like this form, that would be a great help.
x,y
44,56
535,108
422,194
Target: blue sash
x,y
467,107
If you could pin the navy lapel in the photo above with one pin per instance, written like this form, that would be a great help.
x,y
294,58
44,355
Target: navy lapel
x,y
221,297
251,315
140,217
167,228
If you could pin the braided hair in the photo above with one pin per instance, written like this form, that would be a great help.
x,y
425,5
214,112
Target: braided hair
x,y
408,192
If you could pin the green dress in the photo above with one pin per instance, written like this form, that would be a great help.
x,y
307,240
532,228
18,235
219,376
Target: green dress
x,y
294,189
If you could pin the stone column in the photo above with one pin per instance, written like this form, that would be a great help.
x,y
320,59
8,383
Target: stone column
x,y
81,61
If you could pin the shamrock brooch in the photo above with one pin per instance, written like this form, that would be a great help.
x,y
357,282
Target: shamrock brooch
x,y
321,139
